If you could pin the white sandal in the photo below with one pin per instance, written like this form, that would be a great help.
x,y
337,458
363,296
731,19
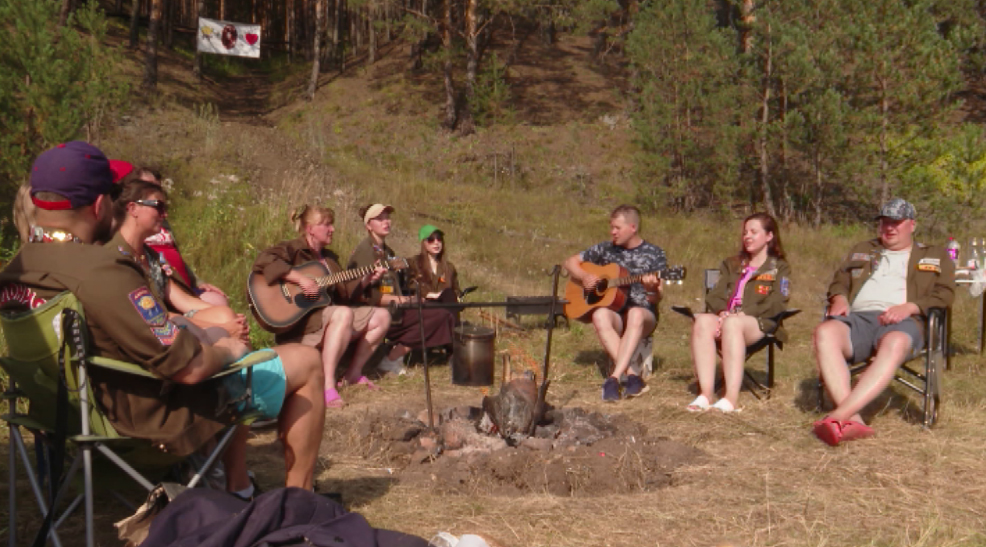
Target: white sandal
x,y
723,405
700,404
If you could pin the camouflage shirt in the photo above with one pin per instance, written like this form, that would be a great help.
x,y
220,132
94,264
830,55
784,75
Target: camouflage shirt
x,y
642,259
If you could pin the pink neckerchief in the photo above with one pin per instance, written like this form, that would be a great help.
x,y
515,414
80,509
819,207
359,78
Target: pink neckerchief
x,y
737,299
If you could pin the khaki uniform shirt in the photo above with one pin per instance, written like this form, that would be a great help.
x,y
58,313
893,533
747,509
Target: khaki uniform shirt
x,y
126,322
420,273
765,295
277,261
930,275
366,254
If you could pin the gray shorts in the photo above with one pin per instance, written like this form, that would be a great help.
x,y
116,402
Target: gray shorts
x,y
865,333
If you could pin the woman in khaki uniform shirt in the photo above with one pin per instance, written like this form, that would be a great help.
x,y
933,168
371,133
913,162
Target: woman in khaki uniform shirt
x,y
753,287
333,328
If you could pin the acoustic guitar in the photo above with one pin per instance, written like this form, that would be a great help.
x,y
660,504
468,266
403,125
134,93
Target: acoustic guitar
x,y
280,305
612,290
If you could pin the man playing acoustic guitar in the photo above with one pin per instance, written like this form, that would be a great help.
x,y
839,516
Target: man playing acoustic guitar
x,y
621,330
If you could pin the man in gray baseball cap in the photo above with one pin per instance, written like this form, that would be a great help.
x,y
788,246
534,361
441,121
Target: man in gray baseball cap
x,y
878,303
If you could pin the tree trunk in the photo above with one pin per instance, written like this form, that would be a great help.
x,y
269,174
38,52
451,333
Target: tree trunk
x,y
372,53
222,10
150,62
199,12
467,127
289,27
315,50
747,19
768,198
451,116
118,7
340,45
884,124
134,31
168,22
67,6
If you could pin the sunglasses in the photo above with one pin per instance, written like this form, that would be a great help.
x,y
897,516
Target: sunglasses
x,y
159,204
432,239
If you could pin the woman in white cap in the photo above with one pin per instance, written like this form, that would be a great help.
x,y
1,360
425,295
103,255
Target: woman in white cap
x,y
405,330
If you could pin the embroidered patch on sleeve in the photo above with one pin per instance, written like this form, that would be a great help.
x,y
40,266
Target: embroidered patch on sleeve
x,y
166,333
932,261
860,256
148,307
785,286
765,277
929,268
763,289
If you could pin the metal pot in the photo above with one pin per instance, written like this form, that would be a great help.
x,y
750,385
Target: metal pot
x,y
473,350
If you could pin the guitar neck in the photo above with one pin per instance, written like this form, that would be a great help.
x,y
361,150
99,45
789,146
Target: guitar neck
x,y
630,279
343,276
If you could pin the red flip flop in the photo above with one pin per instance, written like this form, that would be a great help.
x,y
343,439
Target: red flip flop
x,y
853,430
828,430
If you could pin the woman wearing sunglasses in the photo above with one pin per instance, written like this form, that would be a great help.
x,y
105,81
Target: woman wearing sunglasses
x,y
431,272
141,209
405,330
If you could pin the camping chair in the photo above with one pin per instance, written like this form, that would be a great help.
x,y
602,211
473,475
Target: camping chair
x,y
926,381
760,390
47,364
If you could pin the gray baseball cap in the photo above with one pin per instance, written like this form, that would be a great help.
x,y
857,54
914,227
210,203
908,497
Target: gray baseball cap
x,y
897,209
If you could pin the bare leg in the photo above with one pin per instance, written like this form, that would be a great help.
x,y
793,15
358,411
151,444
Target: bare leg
x,y
303,414
234,460
640,322
890,354
833,347
704,352
738,331
334,342
609,328
214,298
367,342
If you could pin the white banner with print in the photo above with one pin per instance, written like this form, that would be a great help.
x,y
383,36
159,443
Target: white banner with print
x,y
225,38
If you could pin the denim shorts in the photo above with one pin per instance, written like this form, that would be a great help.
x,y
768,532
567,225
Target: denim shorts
x,y
267,390
865,333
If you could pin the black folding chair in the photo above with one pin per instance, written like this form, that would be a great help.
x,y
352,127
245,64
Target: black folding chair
x,y
760,390
926,381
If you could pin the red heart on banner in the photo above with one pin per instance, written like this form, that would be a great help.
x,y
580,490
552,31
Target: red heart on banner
x,y
252,38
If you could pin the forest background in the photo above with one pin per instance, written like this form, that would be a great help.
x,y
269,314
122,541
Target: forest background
x,y
811,110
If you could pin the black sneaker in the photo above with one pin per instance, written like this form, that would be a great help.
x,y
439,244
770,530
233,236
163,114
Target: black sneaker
x,y
611,389
634,386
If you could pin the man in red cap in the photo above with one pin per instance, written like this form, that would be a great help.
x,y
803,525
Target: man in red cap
x,y
70,186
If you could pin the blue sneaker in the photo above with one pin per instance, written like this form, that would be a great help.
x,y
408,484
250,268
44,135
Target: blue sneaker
x,y
634,386
611,389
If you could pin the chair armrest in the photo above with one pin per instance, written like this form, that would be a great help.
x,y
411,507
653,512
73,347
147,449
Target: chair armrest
x,y
248,360
780,317
684,310
121,366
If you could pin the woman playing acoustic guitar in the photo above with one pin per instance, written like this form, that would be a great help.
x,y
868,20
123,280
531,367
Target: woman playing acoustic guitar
x,y
332,328
753,286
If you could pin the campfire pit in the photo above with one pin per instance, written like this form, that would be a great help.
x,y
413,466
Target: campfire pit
x,y
572,452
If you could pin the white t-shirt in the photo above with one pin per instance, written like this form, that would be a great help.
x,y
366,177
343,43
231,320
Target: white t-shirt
x,y
887,286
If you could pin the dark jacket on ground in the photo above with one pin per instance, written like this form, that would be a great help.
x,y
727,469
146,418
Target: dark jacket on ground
x,y
766,293
277,261
930,275
287,516
126,322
